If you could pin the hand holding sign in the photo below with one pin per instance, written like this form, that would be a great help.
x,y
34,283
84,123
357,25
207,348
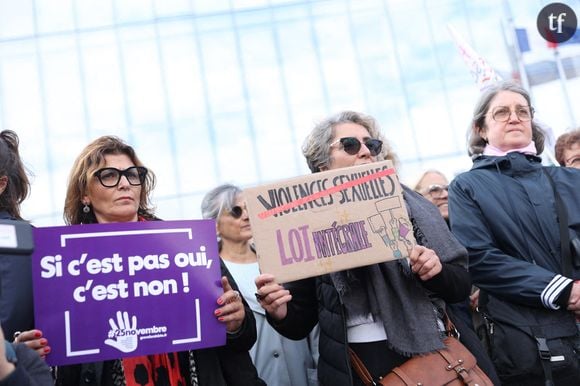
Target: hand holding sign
x,y
125,333
424,262
35,340
272,296
232,311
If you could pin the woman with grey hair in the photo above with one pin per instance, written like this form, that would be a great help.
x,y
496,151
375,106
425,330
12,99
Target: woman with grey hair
x,y
318,144
279,361
386,312
509,210
477,138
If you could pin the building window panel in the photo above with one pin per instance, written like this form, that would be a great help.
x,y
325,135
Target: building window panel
x,y
93,13
142,74
104,86
54,15
235,149
62,86
156,151
211,7
20,95
164,8
125,11
222,72
182,71
339,63
300,65
249,5
16,19
195,156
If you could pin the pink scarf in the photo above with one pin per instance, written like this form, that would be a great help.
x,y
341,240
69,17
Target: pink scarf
x,y
492,150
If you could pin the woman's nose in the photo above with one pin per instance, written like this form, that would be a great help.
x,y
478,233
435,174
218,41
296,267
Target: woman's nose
x,y
364,151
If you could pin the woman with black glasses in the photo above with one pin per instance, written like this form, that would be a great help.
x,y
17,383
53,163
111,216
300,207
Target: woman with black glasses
x,y
108,183
385,312
279,361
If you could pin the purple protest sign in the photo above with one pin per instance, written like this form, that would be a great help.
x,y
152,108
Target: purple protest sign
x,y
106,291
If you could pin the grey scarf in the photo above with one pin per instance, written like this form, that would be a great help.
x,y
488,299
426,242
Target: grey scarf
x,y
392,292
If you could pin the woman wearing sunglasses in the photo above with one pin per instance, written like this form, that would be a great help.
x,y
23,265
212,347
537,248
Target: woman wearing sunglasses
x,y
108,183
385,312
279,361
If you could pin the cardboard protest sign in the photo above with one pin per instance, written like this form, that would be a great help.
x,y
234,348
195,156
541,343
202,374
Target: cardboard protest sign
x,y
106,291
329,221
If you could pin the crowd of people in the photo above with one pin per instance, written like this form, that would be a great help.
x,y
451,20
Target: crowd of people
x,y
500,242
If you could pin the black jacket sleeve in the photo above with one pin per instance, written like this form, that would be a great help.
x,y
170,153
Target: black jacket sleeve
x,y
452,284
302,313
31,370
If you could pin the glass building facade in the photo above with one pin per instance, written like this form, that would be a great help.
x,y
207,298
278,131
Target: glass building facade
x,y
214,91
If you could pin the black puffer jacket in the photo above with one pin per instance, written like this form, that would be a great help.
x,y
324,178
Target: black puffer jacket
x,y
315,300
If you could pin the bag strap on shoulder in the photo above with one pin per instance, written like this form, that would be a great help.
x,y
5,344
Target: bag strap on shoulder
x,y
563,223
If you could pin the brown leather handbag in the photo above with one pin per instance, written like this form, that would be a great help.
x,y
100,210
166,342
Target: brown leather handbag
x,y
453,365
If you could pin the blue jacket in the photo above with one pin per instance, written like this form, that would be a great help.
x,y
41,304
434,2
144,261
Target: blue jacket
x,y
503,211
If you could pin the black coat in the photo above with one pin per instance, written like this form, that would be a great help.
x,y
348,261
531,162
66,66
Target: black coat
x,y
315,300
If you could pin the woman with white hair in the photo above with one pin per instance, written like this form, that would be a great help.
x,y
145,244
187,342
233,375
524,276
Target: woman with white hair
x,y
279,361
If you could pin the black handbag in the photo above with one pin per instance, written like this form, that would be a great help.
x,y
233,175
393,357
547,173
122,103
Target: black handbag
x,y
531,346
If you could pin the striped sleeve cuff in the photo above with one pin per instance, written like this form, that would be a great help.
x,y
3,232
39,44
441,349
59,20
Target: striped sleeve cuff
x,y
553,290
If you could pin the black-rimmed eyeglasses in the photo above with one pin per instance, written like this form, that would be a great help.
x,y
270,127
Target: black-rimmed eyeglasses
x,y
352,145
503,113
110,177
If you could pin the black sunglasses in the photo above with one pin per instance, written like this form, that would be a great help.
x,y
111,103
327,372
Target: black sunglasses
x,y
352,145
236,211
110,177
